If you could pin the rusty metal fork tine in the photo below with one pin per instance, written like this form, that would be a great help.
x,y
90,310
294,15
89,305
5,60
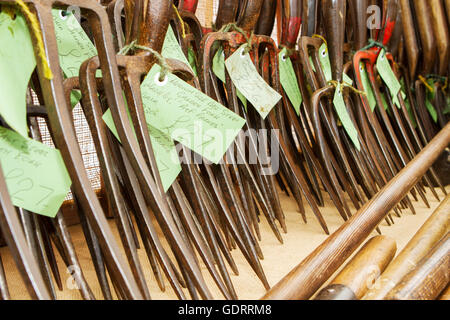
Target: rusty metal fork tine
x,y
403,157
383,144
61,228
225,209
273,119
96,256
410,146
149,185
196,237
65,140
199,208
92,110
114,10
272,201
48,250
15,239
141,213
4,291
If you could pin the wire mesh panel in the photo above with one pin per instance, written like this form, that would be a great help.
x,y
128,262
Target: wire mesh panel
x,y
85,142
206,13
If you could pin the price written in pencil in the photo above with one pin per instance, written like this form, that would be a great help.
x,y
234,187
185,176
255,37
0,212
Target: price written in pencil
x,y
35,174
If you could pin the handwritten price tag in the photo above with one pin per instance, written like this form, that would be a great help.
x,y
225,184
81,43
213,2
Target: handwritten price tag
x,y
218,68
17,62
163,147
189,116
367,87
245,77
35,174
172,49
347,122
288,80
74,47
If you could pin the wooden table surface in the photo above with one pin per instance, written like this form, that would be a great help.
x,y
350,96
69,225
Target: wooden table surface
x,y
279,259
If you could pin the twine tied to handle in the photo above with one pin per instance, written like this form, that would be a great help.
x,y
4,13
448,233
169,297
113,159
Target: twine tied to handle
x,y
321,38
183,30
426,84
372,44
160,60
438,78
38,34
289,51
234,26
335,84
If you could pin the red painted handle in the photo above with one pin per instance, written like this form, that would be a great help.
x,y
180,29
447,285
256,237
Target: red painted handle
x,y
190,5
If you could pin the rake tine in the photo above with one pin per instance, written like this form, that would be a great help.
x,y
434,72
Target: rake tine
x,y
49,251
199,243
20,251
66,240
42,255
141,213
96,255
4,292
199,208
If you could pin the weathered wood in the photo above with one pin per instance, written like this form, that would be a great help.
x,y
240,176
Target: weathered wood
x,y
362,271
428,235
312,272
429,278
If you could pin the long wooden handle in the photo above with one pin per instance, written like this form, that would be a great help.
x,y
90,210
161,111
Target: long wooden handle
x,y
428,235
428,40
440,28
311,273
334,12
446,294
429,278
362,270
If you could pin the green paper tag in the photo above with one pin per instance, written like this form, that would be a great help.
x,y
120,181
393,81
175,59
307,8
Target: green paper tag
x,y
288,80
407,104
367,87
385,104
324,59
312,64
163,147
192,60
245,77
35,174
17,63
172,49
411,114
447,108
431,110
347,79
189,116
74,47
396,101
341,110
218,68
388,76
430,95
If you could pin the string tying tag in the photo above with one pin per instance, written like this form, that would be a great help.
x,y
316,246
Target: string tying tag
x,y
343,84
234,26
372,44
438,78
426,84
38,34
183,30
289,51
9,10
160,60
321,38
